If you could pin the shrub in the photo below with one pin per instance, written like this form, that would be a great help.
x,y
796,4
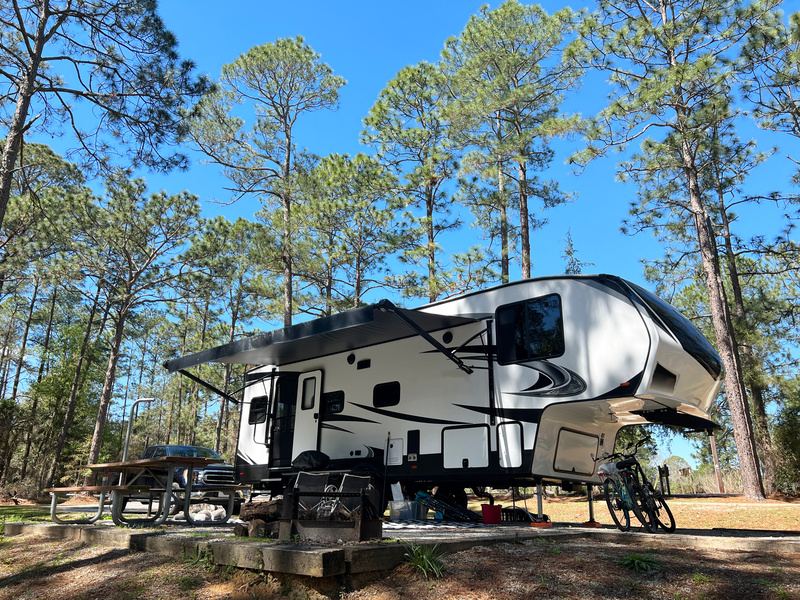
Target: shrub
x,y
425,558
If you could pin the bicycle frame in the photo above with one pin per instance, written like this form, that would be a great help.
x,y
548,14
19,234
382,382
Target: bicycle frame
x,y
635,490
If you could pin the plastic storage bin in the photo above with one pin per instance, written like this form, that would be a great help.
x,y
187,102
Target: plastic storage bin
x,y
407,510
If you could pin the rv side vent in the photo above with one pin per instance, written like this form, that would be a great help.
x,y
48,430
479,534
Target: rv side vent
x,y
664,380
364,364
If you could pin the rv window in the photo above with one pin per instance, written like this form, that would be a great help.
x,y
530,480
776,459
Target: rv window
x,y
333,402
386,394
258,410
309,391
530,330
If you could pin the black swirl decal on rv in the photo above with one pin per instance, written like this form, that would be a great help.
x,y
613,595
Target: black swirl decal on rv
x,y
553,381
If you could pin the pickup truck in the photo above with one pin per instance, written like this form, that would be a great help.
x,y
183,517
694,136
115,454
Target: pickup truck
x,y
215,474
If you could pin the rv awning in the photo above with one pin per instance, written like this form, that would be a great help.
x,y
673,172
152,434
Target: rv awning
x,y
366,326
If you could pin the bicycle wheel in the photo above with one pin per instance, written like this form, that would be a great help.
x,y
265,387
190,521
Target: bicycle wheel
x,y
639,503
616,505
663,514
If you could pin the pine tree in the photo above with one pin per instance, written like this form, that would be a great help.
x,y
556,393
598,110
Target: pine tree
x,y
509,71
116,56
280,82
672,65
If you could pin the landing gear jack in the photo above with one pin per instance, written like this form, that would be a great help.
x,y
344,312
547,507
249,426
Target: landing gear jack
x,y
591,522
541,519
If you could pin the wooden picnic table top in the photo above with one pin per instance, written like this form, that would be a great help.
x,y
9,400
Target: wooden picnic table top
x,y
161,461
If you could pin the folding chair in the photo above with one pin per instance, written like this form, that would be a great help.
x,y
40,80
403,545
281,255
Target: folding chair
x,y
309,506
350,506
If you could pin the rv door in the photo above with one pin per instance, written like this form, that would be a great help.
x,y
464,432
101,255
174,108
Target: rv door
x,y
306,430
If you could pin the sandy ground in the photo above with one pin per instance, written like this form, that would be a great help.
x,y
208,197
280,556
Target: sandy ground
x,y
32,567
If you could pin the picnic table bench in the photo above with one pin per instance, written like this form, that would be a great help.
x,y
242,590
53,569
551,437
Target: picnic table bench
x,y
94,490
162,470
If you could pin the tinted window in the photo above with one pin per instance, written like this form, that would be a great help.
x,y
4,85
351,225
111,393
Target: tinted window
x,y
159,451
530,330
258,410
309,389
333,402
182,451
204,452
386,394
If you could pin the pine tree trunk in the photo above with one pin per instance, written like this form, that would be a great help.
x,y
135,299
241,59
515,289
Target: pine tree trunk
x,y
760,422
433,288
6,357
35,403
226,381
505,252
73,395
108,388
11,441
726,339
24,344
524,221
16,129
764,441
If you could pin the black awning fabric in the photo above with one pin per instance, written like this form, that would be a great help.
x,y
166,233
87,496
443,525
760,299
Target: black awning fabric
x,y
677,419
350,330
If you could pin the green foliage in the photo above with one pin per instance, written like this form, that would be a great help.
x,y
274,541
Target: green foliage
x,y
674,69
118,57
24,513
426,559
509,71
787,437
700,578
278,82
407,128
639,563
347,216
200,556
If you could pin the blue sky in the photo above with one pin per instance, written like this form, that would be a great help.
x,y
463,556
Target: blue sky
x,y
368,42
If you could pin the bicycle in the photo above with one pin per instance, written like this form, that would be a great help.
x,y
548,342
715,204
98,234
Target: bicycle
x,y
627,490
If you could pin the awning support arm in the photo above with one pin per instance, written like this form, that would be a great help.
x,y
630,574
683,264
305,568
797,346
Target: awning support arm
x,y
208,386
387,306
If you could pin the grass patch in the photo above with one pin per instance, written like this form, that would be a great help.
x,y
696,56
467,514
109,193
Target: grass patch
x,y
639,563
24,513
187,583
426,559
700,578
131,589
200,557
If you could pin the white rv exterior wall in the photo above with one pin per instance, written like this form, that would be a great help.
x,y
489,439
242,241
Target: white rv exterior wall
x,y
609,343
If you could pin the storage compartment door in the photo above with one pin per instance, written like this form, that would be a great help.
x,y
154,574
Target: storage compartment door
x,y
574,452
466,447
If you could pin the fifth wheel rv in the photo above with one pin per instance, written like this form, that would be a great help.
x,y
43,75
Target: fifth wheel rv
x,y
511,386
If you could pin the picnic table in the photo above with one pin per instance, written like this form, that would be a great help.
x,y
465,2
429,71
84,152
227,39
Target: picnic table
x,y
132,474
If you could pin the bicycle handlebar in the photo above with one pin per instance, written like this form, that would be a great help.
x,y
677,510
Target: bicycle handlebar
x,y
627,453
